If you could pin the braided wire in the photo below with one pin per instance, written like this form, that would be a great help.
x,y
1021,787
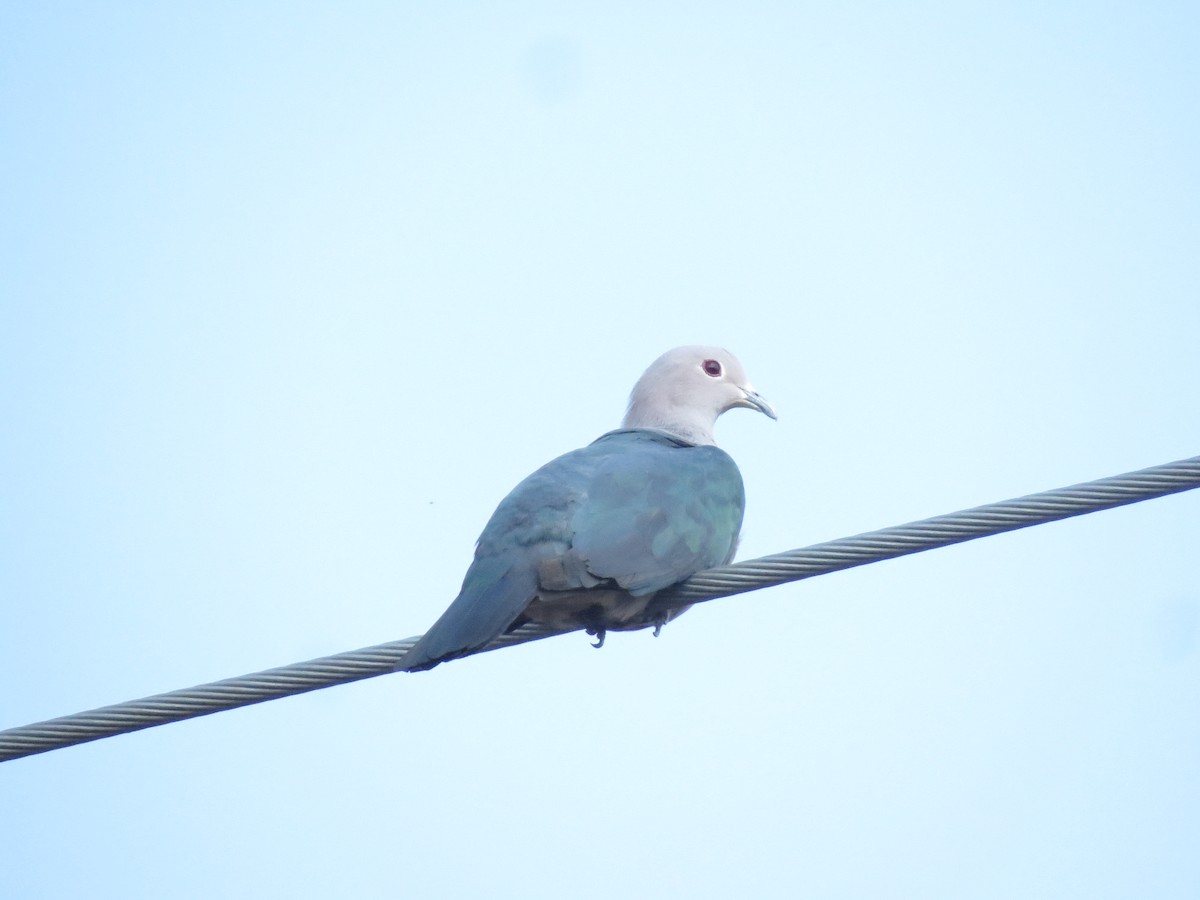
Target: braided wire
x,y
793,565
938,531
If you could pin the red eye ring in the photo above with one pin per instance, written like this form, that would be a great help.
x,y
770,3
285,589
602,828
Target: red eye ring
x,y
712,368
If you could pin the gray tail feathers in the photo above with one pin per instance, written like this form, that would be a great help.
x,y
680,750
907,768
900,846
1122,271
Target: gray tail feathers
x,y
494,595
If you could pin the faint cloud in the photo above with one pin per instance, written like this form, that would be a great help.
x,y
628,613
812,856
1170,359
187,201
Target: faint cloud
x,y
1179,628
552,69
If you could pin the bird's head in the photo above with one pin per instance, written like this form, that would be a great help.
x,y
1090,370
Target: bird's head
x,y
686,389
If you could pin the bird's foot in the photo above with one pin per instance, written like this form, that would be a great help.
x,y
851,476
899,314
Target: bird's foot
x,y
599,634
659,621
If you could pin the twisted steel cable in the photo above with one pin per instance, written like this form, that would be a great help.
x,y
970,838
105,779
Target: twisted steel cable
x,y
793,565
938,531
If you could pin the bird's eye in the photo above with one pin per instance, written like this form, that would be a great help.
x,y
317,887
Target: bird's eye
x,y
712,368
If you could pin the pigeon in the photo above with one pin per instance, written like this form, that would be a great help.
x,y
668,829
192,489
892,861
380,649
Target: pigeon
x,y
589,538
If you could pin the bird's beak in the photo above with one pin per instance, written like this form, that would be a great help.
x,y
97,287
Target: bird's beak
x,y
751,400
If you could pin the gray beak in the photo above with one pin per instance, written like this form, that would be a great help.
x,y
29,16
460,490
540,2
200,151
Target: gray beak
x,y
751,400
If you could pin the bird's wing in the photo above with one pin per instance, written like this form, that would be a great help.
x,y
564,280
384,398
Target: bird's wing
x,y
657,512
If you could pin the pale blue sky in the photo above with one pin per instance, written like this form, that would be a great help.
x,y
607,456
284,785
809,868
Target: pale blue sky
x,y
291,296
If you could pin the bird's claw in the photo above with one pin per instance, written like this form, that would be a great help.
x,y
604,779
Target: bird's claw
x,y
659,621
599,634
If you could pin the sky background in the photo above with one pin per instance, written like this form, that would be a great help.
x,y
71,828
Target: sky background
x,y
292,295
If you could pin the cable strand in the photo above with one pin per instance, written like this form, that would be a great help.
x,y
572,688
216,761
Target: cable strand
x,y
754,574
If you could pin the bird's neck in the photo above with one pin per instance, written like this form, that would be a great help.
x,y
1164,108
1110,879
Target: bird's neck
x,y
691,425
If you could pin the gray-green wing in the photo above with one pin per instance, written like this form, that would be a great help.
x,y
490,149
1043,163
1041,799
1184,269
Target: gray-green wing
x,y
658,513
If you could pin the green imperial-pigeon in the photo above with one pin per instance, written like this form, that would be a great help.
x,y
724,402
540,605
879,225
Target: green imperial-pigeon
x,y
587,539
